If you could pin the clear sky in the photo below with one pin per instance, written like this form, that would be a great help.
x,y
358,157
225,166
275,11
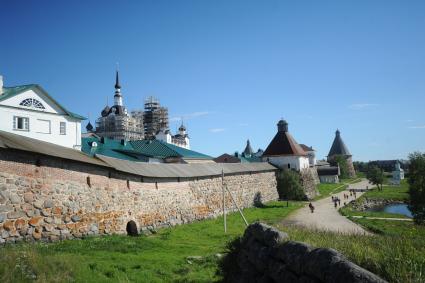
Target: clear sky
x,y
234,68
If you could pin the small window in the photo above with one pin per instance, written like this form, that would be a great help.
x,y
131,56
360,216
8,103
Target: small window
x,y
63,128
32,103
43,126
21,123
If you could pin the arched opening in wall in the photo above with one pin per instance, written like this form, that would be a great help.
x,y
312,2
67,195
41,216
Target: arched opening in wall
x,y
132,228
128,184
88,181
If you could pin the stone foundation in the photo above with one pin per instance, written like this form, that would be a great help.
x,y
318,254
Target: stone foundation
x,y
47,198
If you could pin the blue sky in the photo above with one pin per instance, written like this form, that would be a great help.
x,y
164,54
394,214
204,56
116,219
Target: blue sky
x,y
234,68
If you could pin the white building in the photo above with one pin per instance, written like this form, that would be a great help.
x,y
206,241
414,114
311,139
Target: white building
x,y
181,139
398,174
284,152
311,153
28,110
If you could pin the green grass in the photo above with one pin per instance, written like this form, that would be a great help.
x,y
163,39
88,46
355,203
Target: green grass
x,y
393,228
399,246
162,257
326,190
399,258
349,211
400,193
157,258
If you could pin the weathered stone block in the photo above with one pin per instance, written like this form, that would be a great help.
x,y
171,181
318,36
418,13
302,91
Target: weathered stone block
x,y
29,197
8,225
35,221
48,203
15,214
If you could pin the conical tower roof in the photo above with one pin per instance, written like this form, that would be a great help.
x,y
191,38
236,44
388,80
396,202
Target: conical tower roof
x,y
283,143
338,146
248,149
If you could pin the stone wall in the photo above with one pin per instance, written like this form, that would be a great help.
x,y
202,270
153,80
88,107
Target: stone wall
x,y
310,179
47,198
264,254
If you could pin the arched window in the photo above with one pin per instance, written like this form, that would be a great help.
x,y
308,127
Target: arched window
x,y
32,103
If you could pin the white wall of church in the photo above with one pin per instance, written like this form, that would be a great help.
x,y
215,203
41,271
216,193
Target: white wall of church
x,y
37,126
44,124
295,162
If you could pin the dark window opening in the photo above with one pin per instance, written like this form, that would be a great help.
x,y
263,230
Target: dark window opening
x,y
128,184
89,181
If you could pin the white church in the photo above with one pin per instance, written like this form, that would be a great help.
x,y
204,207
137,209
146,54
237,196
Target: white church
x,y
28,110
284,152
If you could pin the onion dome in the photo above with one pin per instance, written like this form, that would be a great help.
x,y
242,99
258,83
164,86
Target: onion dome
x,y
182,128
89,127
105,111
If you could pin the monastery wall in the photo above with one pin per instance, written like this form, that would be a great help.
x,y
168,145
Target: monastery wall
x,y
47,198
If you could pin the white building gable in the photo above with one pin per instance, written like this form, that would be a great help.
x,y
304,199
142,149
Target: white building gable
x,y
29,111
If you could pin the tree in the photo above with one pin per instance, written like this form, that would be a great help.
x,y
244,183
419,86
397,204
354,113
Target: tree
x,y
417,186
376,176
343,166
289,186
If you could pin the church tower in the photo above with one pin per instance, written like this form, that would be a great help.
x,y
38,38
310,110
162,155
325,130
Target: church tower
x,y
339,148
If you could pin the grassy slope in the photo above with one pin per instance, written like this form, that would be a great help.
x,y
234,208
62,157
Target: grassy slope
x,y
398,258
326,190
404,251
157,258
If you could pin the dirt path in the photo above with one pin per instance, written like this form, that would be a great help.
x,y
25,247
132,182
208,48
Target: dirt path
x,y
326,216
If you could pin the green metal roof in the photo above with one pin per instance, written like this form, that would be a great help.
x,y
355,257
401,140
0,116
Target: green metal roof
x,y
9,92
138,150
161,149
154,148
108,147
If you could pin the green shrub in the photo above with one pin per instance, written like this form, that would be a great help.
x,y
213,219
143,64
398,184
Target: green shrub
x,y
289,186
417,186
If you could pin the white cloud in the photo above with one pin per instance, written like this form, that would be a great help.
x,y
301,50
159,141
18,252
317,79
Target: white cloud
x,y
361,106
217,130
417,127
243,124
190,116
409,120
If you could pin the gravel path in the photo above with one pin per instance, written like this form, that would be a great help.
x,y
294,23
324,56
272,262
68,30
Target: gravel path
x,y
326,216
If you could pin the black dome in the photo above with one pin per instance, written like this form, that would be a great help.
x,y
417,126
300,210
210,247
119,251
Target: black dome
x,y
105,111
89,127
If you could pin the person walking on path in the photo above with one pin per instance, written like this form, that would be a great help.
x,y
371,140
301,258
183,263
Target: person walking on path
x,y
311,207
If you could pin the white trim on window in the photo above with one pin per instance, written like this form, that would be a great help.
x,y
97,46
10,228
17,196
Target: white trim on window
x,y
21,123
62,128
47,126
